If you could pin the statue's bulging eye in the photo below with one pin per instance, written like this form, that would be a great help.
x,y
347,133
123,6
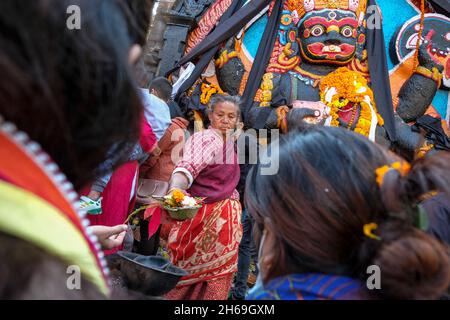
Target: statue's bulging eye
x,y
347,31
317,31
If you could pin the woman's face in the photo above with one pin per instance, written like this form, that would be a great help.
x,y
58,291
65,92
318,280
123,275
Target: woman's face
x,y
224,117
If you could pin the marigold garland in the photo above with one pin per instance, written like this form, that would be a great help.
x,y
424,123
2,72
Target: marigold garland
x,y
296,5
348,86
208,89
266,89
224,57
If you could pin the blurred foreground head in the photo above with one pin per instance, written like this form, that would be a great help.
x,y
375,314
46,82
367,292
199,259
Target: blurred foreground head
x,y
315,209
72,90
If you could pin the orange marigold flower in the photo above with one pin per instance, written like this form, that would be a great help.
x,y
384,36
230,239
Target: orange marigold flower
x,y
178,196
401,167
380,172
404,170
368,230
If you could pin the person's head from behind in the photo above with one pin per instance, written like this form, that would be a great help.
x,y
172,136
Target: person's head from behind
x,y
161,88
314,211
71,90
224,113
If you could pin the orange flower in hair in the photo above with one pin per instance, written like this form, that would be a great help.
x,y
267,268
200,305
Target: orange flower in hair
x,y
368,231
402,168
380,172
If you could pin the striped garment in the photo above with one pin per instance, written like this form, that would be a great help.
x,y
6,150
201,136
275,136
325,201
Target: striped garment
x,y
204,150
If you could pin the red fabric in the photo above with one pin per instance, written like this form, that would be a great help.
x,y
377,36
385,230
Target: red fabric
x,y
147,139
216,289
153,214
165,231
207,245
116,204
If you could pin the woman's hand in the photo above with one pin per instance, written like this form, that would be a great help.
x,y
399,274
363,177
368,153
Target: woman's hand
x,y
109,237
179,181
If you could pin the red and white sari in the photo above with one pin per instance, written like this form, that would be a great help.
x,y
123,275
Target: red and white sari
x,y
207,245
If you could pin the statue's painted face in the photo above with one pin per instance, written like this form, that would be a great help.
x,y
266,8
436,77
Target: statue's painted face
x,y
328,36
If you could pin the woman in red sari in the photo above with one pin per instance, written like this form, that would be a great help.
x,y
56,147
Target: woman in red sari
x,y
207,245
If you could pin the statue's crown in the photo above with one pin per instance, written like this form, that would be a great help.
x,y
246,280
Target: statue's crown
x,y
305,6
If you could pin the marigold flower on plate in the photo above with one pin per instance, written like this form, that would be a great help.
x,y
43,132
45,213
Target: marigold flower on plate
x,y
178,196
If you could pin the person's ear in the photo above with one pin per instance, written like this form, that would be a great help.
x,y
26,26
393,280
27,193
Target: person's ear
x,y
134,54
268,257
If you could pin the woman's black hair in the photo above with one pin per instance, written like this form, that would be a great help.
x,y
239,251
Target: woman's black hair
x,y
323,194
70,90
138,14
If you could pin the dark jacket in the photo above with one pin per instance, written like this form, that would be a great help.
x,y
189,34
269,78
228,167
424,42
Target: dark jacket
x,y
246,161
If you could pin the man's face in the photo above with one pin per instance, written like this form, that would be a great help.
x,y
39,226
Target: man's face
x,y
328,36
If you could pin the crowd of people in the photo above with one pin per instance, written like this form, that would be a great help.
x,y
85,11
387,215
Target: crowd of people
x,y
82,143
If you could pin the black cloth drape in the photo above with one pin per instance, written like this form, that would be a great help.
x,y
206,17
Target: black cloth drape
x,y
259,66
433,131
225,31
379,75
208,55
441,6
